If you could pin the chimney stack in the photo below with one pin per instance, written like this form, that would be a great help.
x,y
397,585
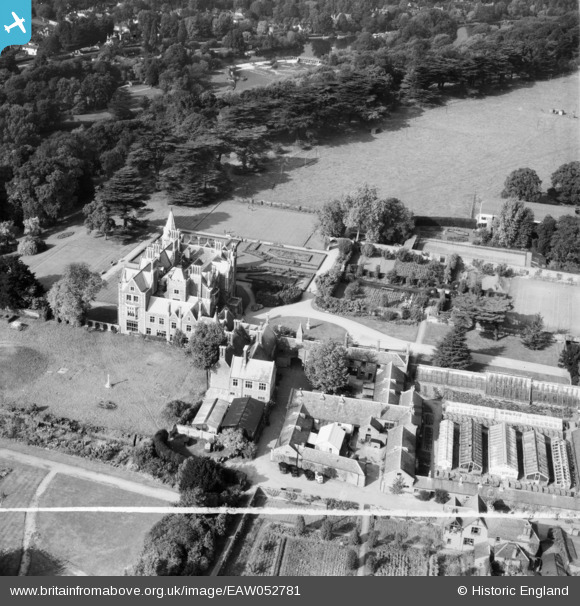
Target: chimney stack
x,y
222,352
259,336
246,354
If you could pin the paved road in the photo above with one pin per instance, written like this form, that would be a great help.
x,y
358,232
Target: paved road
x,y
361,334
369,336
163,494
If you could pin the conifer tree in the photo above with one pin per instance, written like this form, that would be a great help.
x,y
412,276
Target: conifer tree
x,y
452,351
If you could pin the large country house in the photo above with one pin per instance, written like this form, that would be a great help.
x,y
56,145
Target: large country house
x,y
180,279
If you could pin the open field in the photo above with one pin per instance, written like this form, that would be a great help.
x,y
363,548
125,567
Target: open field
x,y
558,303
139,91
18,487
145,375
436,160
94,543
254,222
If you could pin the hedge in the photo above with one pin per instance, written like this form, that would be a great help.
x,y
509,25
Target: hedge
x,y
163,450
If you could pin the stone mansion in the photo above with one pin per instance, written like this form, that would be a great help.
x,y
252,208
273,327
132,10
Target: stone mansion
x,y
180,279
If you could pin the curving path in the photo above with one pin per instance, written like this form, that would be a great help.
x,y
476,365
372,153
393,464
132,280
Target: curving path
x,y
54,467
369,336
361,334
30,523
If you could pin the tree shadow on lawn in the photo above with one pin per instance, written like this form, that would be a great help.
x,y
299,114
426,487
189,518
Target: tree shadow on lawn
x,y
492,350
250,186
48,281
42,563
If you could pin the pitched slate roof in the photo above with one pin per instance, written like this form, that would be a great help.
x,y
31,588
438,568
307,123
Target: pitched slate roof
x,y
330,460
211,413
400,453
336,408
296,428
511,529
244,413
332,434
253,370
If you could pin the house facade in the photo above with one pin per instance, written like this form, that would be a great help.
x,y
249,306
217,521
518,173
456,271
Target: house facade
x,y
179,280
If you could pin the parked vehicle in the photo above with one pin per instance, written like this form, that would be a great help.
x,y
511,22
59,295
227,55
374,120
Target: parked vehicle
x,y
319,477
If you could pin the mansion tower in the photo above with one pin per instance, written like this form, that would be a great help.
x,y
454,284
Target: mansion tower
x,y
180,279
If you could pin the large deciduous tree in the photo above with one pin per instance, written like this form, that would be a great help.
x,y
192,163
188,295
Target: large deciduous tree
x,y
331,219
383,220
452,351
327,367
545,230
514,226
204,344
357,208
389,222
566,182
18,285
565,244
54,179
98,218
120,104
180,545
523,184
70,298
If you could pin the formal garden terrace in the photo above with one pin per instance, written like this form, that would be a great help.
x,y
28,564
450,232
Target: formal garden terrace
x,y
277,271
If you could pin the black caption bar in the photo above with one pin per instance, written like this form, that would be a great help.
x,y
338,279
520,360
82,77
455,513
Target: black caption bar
x,y
286,590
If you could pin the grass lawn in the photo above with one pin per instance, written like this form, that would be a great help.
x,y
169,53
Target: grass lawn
x,y
468,146
19,487
145,375
318,328
407,332
257,76
434,333
95,543
506,347
80,247
558,303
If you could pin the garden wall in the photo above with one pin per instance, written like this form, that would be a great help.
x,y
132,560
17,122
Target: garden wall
x,y
469,252
425,221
